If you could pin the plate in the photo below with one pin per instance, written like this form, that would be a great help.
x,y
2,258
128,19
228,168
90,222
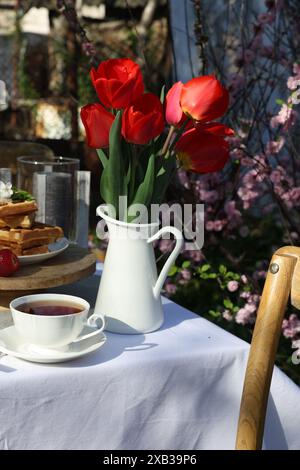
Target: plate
x,y
13,344
54,249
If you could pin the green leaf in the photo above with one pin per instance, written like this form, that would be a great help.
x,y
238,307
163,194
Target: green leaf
x,y
173,271
222,269
113,181
163,176
128,174
211,276
144,192
103,158
279,101
214,314
186,264
228,304
162,94
19,195
205,267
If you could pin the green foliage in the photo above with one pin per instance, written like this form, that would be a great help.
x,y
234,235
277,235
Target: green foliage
x,y
102,157
165,167
144,192
113,182
20,196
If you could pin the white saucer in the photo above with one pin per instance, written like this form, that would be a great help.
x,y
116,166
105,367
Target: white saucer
x,y
54,249
13,344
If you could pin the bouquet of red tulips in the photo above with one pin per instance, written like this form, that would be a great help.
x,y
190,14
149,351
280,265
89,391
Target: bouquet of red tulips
x,y
128,129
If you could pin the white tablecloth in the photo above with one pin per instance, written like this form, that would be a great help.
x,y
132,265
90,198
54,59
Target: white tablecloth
x,y
177,388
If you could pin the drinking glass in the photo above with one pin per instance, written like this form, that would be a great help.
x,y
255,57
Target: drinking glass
x,y
53,183
5,175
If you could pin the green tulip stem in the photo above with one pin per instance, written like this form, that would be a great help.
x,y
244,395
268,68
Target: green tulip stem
x,y
179,133
134,163
168,140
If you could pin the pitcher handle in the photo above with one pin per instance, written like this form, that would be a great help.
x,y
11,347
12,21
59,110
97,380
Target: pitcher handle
x,y
173,255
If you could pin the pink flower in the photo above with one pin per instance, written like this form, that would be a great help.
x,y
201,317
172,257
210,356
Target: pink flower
x,y
227,315
233,214
209,196
244,317
186,274
195,255
296,69
291,326
247,162
166,245
293,82
244,294
232,286
295,97
244,279
286,117
216,225
274,146
247,196
170,288
291,197
250,307
183,178
247,314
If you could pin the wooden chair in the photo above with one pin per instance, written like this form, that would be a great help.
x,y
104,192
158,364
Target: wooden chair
x,y
283,280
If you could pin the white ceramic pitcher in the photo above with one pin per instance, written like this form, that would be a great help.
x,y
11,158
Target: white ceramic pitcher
x,y
129,292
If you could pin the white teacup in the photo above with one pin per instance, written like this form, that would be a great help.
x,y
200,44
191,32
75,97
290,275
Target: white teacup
x,y
55,331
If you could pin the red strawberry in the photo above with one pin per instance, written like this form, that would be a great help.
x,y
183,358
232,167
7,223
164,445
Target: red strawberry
x,y
9,263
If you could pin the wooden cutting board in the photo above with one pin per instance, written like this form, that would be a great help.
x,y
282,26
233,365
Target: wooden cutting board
x,y
70,266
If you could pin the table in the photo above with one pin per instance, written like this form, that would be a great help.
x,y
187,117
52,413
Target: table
x,y
177,388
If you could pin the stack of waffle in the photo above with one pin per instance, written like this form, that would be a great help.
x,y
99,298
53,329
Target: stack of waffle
x,y
21,234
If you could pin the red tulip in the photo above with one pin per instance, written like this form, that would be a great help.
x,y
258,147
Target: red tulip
x,y
144,120
174,114
204,98
215,128
202,152
97,122
118,82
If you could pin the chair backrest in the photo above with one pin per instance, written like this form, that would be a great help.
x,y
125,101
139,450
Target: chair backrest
x,y
283,279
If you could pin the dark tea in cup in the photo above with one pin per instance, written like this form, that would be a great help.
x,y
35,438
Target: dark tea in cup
x,y
50,308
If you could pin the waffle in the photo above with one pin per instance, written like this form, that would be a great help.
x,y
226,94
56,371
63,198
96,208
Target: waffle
x,y
17,220
19,251
13,208
28,243
38,232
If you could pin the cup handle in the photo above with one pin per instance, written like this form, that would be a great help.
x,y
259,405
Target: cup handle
x,y
173,255
92,321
